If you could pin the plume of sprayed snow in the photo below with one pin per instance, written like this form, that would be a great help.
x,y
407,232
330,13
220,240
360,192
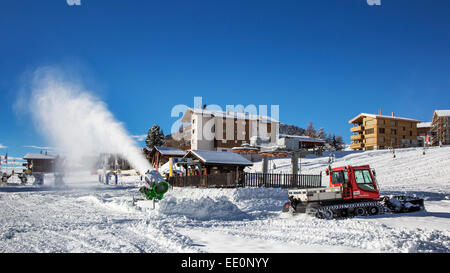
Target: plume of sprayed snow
x,y
78,124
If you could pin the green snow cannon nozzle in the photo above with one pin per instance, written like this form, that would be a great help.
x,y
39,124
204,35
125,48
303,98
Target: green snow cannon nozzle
x,y
157,190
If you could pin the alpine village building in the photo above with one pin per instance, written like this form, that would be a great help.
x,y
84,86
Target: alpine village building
x,y
221,131
440,128
372,132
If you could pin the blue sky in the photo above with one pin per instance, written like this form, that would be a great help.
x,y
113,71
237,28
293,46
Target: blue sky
x,y
321,61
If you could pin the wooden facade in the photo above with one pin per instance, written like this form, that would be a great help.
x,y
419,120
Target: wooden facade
x,y
159,155
440,128
213,162
381,132
40,163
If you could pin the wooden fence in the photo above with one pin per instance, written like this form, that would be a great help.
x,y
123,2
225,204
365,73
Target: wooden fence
x,y
268,180
281,180
224,180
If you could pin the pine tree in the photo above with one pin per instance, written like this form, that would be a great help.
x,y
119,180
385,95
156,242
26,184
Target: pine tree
x,y
339,142
155,137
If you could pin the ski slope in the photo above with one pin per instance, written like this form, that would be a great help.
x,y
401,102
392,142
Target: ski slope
x,y
86,216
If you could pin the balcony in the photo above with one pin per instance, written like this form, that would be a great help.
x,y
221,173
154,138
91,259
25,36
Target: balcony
x,y
356,137
357,129
356,146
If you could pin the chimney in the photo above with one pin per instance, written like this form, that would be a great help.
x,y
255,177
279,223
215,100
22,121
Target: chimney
x,y
392,113
380,111
204,106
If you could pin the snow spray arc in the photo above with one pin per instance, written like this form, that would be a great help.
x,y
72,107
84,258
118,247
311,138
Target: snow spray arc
x,y
76,123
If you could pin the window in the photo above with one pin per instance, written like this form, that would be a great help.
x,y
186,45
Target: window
x,y
363,179
370,122
381,130
339,177
381,139
369,131
393,131
410,133
393,123
404,128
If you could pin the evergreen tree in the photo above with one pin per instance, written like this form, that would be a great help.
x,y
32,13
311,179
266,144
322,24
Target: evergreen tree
x,y
339,143
155,137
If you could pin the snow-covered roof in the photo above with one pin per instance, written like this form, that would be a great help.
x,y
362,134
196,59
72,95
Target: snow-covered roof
x,y
227,114
245,148
442,113
303,138
424,125
31,156
380,116
170,151
229,158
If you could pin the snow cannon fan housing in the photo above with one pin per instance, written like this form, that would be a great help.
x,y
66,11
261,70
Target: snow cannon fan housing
x,y
155,189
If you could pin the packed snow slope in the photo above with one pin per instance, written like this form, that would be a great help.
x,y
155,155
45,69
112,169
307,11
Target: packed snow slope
x,y
86,216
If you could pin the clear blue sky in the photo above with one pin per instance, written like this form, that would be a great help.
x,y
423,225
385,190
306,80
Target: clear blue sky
x,y
321,61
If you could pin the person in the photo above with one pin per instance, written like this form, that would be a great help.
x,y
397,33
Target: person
x,y
23,178
4,178
38,179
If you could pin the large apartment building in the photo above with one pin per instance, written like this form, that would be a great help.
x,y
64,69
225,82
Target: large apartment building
x,y
221,130
440,128
372,131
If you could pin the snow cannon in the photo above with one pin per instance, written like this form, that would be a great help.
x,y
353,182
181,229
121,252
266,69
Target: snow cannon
x,y
157,190
154,189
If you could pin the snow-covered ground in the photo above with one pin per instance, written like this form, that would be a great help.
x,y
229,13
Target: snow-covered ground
x,y
86,216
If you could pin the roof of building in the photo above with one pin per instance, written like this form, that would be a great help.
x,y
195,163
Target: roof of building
x,y
303,138
227,114
31,156
442,113
170,151
424,125
226,158
362,115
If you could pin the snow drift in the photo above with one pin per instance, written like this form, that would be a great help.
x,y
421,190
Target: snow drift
x,y
204,208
